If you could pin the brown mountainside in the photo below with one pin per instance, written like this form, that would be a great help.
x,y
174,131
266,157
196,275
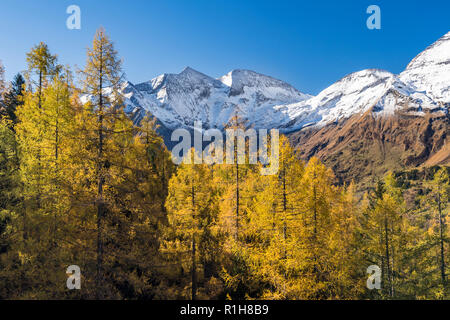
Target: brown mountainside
x,y
363,148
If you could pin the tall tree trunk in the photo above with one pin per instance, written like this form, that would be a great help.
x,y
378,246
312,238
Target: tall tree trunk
x,y
39,150
55,214
194,271
315,206
387,258
284,210
441,240
237,198
393,272
194,265
315,245
100,181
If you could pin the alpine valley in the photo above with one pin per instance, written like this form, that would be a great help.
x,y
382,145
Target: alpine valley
x,y
361,126
94,205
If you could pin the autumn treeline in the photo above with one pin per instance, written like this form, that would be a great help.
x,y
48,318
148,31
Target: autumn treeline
x,y
80,184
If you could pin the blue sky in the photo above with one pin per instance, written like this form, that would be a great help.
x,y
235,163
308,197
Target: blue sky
x,y
309,44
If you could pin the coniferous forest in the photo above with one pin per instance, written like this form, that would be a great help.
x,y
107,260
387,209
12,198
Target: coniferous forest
x,y
81,184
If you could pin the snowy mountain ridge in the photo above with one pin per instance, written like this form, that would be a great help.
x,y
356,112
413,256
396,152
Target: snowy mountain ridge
x,y
180,99
177,100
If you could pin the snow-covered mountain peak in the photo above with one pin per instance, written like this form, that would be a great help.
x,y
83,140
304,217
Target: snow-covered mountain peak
x,y
189,70
370,89
240,80
179,99
358,82
437,53
354,93
425,84
429,71
189,74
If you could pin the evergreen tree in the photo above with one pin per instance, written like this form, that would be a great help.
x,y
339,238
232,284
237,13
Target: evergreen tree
x,y
9,199
41,66
348,277
317,192
273,222
13,97
137,190
43,129
441,188
102,74
2,82
192,212
387,235
433,248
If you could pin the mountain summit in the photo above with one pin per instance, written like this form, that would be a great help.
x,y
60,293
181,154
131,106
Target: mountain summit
x,y
424,86
429,71
177,100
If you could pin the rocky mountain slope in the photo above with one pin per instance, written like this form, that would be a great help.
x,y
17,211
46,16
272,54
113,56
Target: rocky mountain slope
x,y
373,121
365,147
